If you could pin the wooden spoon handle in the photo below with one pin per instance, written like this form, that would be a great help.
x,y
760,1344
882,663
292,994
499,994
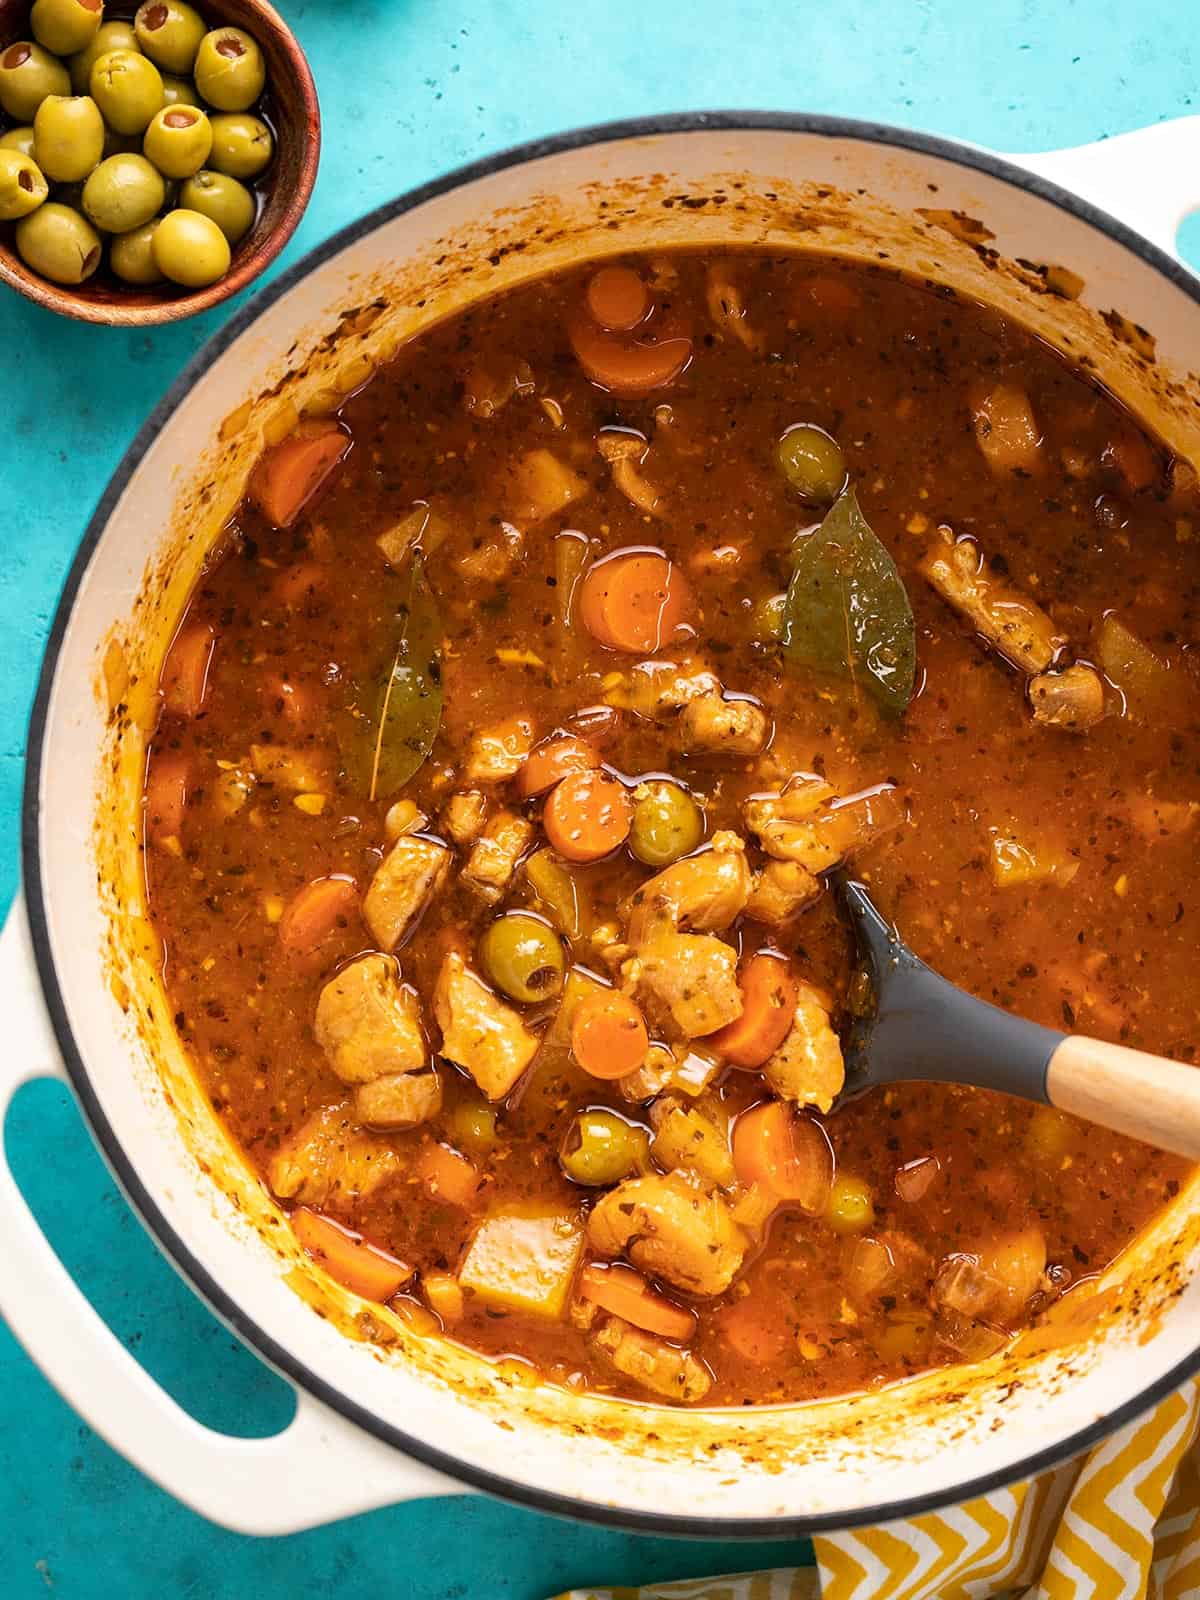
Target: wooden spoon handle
x,y
1144,1096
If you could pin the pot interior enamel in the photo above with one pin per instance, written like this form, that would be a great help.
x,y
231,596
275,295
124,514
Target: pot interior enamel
x,y
946,215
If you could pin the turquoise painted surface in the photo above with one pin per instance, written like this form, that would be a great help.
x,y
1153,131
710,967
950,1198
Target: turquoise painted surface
x,y
409,90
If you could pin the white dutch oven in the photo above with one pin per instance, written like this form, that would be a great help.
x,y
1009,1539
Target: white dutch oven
x,y
378,1423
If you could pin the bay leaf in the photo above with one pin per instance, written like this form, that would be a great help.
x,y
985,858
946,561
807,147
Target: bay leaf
x,y
408,712
847,611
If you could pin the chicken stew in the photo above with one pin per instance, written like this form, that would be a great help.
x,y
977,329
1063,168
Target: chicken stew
x,y
505,748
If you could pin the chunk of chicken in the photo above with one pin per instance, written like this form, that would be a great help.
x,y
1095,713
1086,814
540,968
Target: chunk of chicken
x,y
808,1067
727,727
996,1283
672,1228
704,893
494,557
727,308
499,752
687,982
1012,623
487,392
411,873
1006,429
367,1024
330,1159
832,834
1072,699
399,1100
779,893
480,1033
663,1368
656,689
463,816
495,854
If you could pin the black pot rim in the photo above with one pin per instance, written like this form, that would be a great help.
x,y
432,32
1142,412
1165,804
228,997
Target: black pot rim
x,y
220,1300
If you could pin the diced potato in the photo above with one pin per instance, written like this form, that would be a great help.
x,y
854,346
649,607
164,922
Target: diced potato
x,y
289,767
1006,428
524,1261
1015,862
1152,691
542,486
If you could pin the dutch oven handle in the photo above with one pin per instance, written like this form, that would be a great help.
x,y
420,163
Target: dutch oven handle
x,y
1148,179
320,1467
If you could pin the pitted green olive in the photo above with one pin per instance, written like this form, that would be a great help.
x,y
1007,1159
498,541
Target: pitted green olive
x,y
110,36
123,192
242,145
601,1148
65,26
131,255
230,72
812,462
59,243
523,957
68,137
178,141
128,88
22,186
170,33
27,75
20,139
229,203
667,823
190,249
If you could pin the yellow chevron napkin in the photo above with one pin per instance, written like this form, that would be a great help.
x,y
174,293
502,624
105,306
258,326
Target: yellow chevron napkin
x,y
1120,1523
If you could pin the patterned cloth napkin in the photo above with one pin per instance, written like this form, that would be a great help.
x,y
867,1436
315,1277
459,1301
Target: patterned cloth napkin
x,y
1121,1523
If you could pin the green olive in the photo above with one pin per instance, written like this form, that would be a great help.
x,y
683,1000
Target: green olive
x,y
471,1126
180,92
122,193
667,823
65,26
523,957
128,89
601,1148
242,145
813,463
190,249
27,75
22,186
170,33
229,203
850,1208
766,620
178,141
18,139
68,137
110,36
131,255
59,243
230,72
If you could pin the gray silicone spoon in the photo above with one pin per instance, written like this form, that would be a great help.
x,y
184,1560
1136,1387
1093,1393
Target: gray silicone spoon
x,y
915,1024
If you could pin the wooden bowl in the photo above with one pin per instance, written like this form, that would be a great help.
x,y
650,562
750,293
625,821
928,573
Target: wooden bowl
x,y
292,110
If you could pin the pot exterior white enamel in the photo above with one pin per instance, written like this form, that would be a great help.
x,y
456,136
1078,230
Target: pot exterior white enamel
x,y
382,1421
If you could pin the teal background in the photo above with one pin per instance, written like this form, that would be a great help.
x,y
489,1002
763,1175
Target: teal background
x,y
409,89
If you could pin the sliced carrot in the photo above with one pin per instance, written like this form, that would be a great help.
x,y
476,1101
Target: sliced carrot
x,y
444,1295
166,797
608,1035
624,365
769,995
617,299
552,761
356,1263
786,1154
636,602
289,475
755,1329
587,815
449,1176
313,913
185,671
624,1293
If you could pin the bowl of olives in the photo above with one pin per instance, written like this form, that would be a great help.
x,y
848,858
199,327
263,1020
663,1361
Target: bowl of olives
x,y
154,157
